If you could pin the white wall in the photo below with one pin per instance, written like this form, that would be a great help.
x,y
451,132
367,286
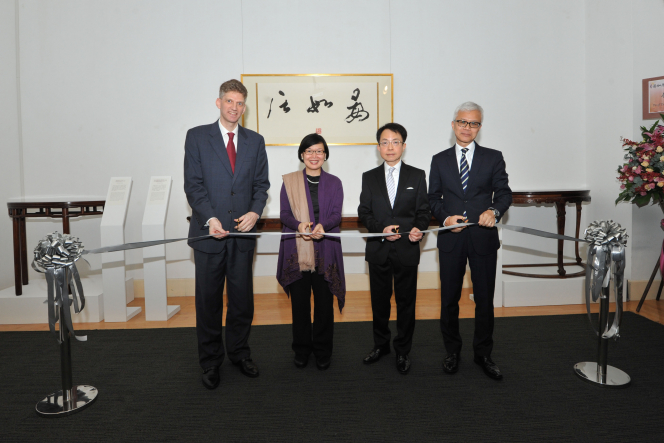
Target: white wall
x,y
112,86
9,135
609,108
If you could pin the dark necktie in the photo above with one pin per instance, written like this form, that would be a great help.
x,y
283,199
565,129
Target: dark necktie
x,y
231,150
464,172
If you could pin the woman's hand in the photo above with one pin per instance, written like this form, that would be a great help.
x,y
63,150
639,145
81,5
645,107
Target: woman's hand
x,y
305,228
318,232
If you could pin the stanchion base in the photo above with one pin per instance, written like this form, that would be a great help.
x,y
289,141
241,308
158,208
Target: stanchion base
x,y
615,378
52,405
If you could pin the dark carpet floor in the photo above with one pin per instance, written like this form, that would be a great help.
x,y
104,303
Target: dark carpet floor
x,y
150,390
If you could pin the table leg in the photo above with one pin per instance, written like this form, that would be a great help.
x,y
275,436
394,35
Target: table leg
x,y
560,217
578,227
24,251
65,221
17,256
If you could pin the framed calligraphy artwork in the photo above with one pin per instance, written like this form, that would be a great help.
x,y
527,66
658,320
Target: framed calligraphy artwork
x,y
346,109
653,98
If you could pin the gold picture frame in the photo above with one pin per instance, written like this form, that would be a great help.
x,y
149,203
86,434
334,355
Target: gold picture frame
x,y
346,109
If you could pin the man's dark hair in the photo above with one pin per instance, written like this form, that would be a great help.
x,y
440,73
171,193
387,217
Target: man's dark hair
x,y
309,141
394,127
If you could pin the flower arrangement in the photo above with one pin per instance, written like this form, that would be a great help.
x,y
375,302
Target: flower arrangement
x,y
642,175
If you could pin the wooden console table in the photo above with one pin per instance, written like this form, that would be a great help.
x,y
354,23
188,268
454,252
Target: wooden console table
x,y
19,210
560,199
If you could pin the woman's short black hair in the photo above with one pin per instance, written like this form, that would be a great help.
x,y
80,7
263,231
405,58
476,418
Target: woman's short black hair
x,y
309,141
394,127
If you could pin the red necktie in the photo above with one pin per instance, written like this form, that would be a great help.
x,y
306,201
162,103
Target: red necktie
x,y
231,150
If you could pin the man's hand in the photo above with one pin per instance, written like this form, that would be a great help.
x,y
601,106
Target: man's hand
x,y
452,220
246,222
415,235
216,229
318,232
487,218
390,229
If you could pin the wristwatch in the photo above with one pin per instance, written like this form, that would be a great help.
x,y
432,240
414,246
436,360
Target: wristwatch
x,y
496,212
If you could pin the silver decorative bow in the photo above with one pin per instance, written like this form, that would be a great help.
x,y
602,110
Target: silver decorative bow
x,y
606,256
56,256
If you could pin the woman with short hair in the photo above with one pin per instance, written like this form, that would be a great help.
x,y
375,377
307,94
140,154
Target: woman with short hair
x,y
311,202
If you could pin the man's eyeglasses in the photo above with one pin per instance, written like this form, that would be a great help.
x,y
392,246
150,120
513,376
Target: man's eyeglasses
x,y
464,124
395,143
312,153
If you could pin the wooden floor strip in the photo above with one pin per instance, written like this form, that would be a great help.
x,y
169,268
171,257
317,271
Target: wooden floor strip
x,y
275,309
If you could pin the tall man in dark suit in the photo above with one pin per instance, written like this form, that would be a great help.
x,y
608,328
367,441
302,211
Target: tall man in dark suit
x,y
469,182
226,182
393,199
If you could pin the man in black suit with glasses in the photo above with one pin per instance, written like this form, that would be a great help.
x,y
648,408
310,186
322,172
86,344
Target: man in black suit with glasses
x,y
393,201
468,182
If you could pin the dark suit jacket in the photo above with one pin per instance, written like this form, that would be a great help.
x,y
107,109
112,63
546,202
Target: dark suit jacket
x,y
411,209
488,187
214,191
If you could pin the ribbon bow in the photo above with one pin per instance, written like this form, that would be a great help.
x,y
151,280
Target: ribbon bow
x,y
606,256
56,256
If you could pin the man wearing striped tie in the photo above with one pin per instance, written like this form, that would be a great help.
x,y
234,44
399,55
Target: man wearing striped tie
x,y
468,183
393,200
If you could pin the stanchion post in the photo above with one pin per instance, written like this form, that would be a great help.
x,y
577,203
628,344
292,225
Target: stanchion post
x,y
600,373
71,398
65,358
603,343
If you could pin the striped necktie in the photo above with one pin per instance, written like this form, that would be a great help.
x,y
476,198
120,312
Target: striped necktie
x,y
464,172
391,189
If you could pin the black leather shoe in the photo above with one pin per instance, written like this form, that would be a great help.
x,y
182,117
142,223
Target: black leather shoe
x,y
210,377
489,367
451,363
323,363
375,355
301,360
403,364
247,367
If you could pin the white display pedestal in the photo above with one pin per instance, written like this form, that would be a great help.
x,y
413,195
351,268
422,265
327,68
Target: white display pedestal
x,y
528,291
29,308
116,285
154,257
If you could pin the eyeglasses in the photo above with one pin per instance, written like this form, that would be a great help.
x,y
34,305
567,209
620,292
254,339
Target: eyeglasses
x,y
312,153
464,124
395,143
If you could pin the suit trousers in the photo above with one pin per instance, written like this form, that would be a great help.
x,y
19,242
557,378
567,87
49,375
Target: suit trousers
x,y
305,338
405,293
212,271
483,276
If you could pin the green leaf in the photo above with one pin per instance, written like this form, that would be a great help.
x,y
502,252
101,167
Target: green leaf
x,y
652,128
641,200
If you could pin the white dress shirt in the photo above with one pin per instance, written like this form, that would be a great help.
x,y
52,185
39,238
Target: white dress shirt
x,y
224,134
469,155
